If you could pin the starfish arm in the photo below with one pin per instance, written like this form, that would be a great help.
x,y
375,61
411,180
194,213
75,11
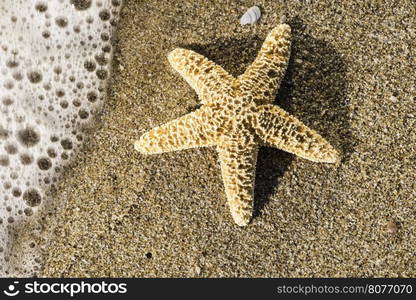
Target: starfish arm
x,y
276,128
262,78
208,79
195,129
238,165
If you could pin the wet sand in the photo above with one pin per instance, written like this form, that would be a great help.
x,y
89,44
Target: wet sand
x,y
351,78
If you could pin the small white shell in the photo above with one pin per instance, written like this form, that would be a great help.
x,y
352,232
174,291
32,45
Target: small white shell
x,y
251,16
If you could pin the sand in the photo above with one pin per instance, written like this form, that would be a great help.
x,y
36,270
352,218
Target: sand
x,y
351,78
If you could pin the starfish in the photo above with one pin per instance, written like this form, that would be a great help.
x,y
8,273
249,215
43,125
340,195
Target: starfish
x,y
237,117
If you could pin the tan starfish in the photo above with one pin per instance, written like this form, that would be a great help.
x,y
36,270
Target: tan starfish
x,y
237,117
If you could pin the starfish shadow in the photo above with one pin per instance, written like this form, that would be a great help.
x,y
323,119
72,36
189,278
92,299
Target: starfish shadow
x,y
319,93
313,89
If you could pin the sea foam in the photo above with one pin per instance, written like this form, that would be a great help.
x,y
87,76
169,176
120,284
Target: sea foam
x,y
55,59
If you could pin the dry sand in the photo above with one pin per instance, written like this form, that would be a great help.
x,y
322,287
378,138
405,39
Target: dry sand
x,y
351,78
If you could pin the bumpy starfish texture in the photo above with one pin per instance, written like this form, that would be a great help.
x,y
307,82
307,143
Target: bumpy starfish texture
x,y
237,117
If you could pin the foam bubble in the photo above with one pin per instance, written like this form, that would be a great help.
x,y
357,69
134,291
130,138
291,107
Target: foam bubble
x,y
4,134
12,63
7,101
81,4
16,192
66,144
44,163
41,6
28,136
89,65
61,22
11,149
32,197
101,74
4,161
104,15
34,76
26,159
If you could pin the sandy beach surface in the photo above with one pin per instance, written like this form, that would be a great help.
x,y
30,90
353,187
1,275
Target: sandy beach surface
x,y
351,78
